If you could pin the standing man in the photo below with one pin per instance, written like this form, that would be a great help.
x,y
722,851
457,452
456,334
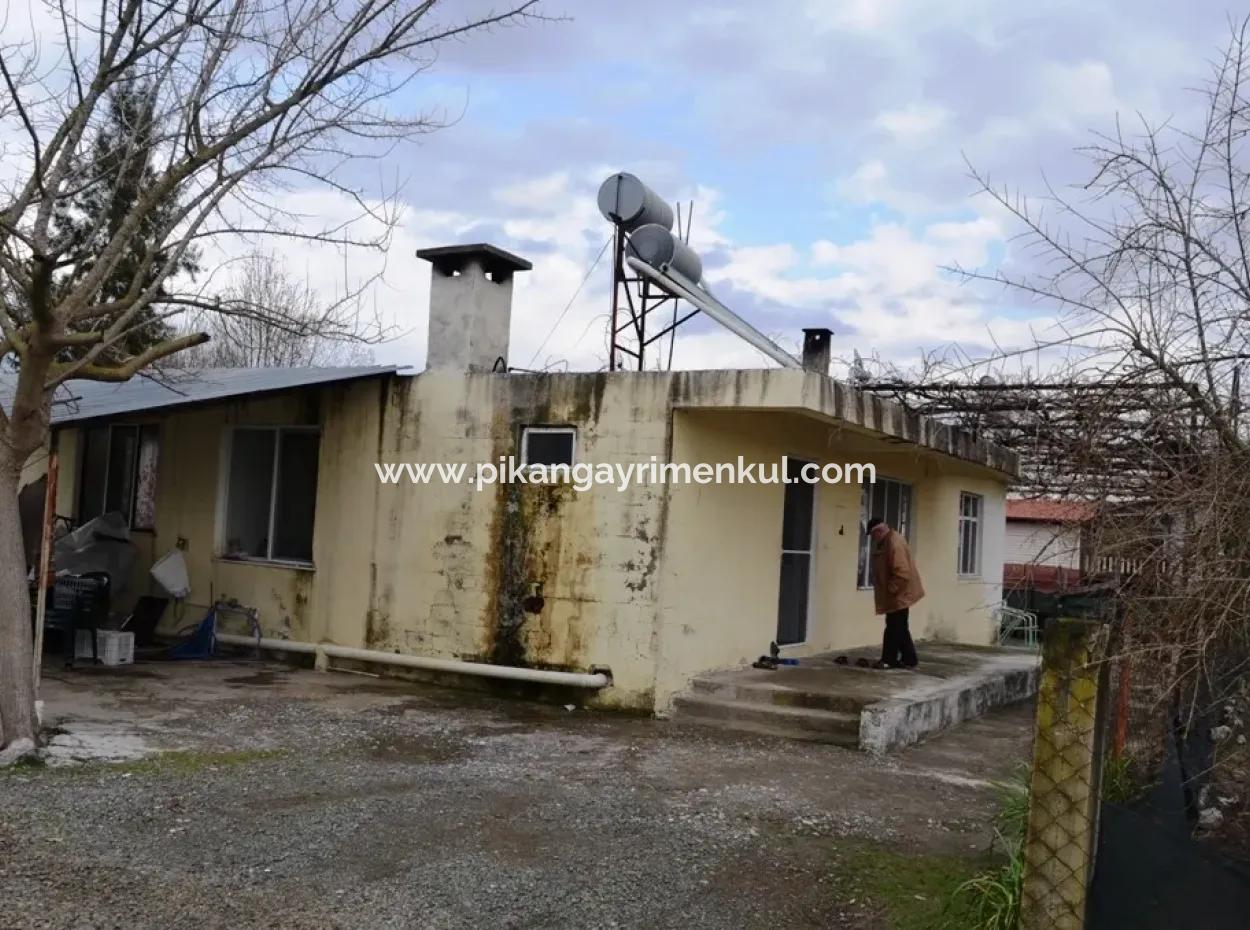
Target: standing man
x,y
895,587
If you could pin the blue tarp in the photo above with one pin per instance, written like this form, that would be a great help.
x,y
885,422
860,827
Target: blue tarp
x,y
199,645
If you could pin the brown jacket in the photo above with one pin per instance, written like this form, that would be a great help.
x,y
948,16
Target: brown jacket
x,y
895,581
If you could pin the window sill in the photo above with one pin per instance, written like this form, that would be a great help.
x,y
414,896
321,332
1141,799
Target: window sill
x,y
971,578
266,563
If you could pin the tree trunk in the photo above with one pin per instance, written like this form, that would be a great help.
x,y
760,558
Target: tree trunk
x,y
17,686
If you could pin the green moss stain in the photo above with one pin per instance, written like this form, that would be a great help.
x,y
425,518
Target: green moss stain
x,y
529,531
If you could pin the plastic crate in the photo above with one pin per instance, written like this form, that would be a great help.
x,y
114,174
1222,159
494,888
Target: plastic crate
x,y
115,647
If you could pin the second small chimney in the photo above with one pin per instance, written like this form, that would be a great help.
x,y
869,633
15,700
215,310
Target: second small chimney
x,y
470,306
817,344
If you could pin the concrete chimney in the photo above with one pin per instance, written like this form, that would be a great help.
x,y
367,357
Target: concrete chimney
x,y
817,344
470,306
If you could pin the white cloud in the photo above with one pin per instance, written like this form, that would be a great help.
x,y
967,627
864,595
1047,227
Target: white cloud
x,y
872,182
1076,95
543,194
885,292
858,15
914,123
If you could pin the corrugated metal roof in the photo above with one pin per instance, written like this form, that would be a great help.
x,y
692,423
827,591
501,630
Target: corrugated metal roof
x,y
1046,510
76,401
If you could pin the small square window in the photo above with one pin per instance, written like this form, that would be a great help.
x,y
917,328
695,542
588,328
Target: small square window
x,y
548,445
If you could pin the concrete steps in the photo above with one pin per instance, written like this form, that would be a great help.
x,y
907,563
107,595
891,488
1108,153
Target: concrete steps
x,y
877,711
762,717
779,695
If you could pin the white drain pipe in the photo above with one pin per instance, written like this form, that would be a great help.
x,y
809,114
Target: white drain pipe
x,y
453,666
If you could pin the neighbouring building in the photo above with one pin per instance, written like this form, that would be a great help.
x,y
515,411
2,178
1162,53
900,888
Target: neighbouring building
x,y
1045,544
266,480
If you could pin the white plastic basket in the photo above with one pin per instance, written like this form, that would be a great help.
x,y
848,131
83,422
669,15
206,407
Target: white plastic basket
x,y
115,647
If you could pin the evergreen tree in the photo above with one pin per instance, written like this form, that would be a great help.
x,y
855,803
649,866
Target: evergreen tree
x,y
119,167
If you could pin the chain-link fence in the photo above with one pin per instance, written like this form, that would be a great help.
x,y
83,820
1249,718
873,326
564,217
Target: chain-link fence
x,y
1066,779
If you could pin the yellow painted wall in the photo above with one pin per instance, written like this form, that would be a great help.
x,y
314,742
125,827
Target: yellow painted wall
x,y
721,572
293,602
659,583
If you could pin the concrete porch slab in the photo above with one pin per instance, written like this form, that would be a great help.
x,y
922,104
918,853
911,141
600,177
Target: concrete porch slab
x,y
873,710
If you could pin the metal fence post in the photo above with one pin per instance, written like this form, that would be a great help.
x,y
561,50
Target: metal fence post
x,y
1065,784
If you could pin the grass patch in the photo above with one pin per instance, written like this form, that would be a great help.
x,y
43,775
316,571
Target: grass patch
x,y
991,899
1120,782
187,762
909,892
27,765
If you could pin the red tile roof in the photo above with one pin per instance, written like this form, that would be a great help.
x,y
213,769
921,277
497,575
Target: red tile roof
x,y
1043,510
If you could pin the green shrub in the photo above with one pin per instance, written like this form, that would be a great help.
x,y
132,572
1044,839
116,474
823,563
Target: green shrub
x,y
1120,783
991,900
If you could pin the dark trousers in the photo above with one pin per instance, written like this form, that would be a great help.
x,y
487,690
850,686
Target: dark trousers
x,y
896,645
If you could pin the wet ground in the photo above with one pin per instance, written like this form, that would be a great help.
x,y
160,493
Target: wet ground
x,y
240,794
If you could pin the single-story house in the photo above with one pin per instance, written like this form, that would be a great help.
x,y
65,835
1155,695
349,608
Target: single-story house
x,y
266,481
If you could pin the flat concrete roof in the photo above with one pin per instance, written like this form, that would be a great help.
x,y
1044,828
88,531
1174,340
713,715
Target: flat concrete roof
x,y
806,392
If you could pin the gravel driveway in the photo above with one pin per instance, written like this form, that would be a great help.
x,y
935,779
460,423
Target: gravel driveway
x,y
288,798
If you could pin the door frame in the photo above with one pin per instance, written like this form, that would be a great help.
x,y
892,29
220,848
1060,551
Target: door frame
x,y
810,552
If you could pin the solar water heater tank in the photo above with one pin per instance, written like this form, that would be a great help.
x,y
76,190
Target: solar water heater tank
x,y
660,249
625,200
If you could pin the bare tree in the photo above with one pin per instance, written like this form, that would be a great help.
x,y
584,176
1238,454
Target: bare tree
x,y
308,330
1140,405
246,101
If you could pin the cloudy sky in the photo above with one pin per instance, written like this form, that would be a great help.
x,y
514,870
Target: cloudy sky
x,y
822,142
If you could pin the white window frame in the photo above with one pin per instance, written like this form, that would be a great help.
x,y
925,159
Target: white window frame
x,y
527,431
223,495
976,535
905,528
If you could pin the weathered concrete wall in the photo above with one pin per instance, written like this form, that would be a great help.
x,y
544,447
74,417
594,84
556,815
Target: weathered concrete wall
x,y
991,680
783,388
659,583
517,574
